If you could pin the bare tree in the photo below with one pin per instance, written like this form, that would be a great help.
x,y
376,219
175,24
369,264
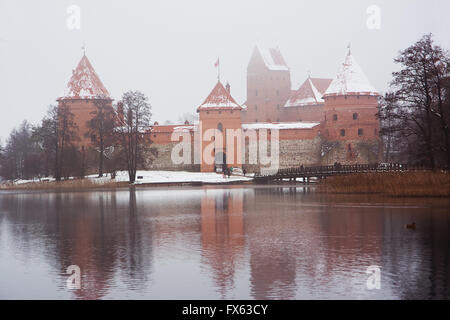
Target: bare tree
x,y
136,120
392,133
18,149
101,129
418,95
62,132
440,72
43,136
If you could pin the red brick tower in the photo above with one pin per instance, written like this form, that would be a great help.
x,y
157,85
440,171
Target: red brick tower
x,y
268,85
219,113
351,105
83,91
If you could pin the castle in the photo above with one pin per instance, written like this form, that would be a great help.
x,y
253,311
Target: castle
x,y
323,122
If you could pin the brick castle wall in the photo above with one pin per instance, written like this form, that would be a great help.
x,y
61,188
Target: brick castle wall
x,y
82,110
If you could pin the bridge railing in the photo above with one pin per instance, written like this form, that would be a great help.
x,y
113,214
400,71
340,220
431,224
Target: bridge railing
x,y
334,169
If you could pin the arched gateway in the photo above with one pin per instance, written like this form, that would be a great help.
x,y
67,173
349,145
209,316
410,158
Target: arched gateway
x,y
218,113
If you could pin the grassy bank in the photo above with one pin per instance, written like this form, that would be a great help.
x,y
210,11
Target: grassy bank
x,y
413,184
67,184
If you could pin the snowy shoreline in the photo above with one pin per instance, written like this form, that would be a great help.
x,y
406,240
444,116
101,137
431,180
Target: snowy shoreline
x,y
143,178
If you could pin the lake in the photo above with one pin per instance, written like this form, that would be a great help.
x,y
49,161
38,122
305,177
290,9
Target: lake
x,y
232,242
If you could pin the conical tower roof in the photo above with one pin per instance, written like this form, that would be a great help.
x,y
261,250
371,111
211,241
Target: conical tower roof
x,y
85,83
219,98
350,80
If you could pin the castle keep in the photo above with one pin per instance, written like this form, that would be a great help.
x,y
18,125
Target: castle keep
x,y
322,122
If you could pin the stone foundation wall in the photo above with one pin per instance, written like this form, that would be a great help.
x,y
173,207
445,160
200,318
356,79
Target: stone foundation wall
x,y
292,153
159,157
351,152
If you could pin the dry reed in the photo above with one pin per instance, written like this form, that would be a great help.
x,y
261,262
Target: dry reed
x,y
414,184
66,184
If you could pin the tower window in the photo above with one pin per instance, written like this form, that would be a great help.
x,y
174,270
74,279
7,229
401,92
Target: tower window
x,y
256,107
335,117
278,92
342,132
256,92
355,116
220,127
360,132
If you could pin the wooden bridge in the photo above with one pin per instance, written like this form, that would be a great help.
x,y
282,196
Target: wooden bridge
x,y
321,172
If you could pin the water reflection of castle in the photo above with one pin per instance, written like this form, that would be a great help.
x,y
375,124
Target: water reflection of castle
x,y
305,246
222,227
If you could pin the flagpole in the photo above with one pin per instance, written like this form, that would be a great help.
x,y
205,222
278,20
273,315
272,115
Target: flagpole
x,y
218,75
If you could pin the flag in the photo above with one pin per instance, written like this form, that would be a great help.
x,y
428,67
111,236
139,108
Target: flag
x,y
217,63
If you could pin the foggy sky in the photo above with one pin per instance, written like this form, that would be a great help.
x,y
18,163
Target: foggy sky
x,y
167,49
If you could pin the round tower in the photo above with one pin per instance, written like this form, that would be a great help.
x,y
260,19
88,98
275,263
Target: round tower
x,y
351,105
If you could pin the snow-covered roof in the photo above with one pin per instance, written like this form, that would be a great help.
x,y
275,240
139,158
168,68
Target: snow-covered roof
x,y
280,125
85,83
350,80
219,98
173,127
186,128
273,59
309,93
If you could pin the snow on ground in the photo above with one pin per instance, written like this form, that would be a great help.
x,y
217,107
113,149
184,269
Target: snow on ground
x,y
23,181
157,177
179,176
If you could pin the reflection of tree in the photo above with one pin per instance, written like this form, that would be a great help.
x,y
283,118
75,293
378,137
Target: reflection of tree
x,y
137,250
88,230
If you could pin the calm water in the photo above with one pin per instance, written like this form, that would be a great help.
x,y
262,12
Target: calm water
x,y
212,243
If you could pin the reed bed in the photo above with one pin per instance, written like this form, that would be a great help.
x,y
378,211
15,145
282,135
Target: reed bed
x,y
398,184
65,184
